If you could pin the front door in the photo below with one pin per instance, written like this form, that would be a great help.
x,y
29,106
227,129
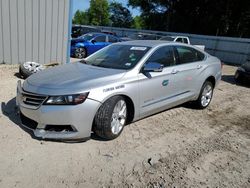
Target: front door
x,y
158,89
98,43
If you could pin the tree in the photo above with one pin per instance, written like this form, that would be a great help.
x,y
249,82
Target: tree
x,y
81,18
120,16
138,23
99,12
154,13
210,17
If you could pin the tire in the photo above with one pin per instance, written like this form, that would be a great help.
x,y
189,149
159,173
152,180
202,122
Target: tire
x,y
206,95
22,75
111,118
80,53
238,77
28,68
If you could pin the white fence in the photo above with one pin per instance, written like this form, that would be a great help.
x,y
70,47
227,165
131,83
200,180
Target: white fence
x,y
229,50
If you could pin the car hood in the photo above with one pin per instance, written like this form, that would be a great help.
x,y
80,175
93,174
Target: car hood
x,y
76,40
70,79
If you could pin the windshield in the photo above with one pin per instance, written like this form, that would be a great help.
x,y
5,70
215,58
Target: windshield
x,y
87,37
118,56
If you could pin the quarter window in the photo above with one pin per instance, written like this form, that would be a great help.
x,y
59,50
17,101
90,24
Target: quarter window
x,y
164,56
100,39
188,55
185,40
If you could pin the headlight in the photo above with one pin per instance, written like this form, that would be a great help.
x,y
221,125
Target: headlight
x,y
241,69
67,99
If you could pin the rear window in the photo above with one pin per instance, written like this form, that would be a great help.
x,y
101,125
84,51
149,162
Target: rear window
x,y
189,55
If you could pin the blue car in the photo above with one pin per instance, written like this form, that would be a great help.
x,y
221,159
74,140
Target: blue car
x,y
89,43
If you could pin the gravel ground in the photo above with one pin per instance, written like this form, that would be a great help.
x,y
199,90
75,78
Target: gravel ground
x,y
181,147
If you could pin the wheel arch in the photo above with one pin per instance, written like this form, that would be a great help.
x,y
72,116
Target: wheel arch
x,y
129,102
212,80
80,45
130,106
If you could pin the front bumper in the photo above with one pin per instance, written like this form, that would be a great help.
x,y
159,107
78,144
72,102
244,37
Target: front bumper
x,y
38,119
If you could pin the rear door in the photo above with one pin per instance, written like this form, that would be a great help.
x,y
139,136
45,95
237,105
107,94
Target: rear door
x,y
190,65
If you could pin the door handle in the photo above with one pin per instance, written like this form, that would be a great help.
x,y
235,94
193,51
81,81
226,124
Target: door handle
x,y
174,71
199,66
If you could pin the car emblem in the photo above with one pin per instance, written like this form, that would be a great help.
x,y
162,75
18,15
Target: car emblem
x,y
165,82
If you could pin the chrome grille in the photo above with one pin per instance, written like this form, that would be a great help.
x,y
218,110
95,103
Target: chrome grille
x,y
33,99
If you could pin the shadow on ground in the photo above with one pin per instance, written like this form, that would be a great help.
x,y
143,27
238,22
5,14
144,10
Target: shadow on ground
x,y
230,79
10,110
18,75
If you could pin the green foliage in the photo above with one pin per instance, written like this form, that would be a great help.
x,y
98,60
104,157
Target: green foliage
x,y
99,12
120,16
138,23
211,17
81,18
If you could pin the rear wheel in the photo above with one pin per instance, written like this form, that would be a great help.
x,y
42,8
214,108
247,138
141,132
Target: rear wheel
x,y
111,118
206,95
80,53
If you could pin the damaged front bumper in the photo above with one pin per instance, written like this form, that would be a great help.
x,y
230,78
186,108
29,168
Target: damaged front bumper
x,y
60,122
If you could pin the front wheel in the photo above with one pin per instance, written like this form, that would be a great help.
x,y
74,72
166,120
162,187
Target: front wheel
x,y
111,118
206,95
80,53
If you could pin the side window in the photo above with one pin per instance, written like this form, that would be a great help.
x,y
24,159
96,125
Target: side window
x,y
185,40
112,39
100,39
179,40
188,55
163,55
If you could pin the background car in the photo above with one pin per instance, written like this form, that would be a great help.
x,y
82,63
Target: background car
x,y
142,36
109,32
79,30
243,73
181,39
90,43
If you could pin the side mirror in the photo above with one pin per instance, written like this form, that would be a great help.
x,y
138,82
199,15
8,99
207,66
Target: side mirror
x,y
93,41
153,67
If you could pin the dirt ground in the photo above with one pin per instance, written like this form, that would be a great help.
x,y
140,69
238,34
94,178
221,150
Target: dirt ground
x,y
181,147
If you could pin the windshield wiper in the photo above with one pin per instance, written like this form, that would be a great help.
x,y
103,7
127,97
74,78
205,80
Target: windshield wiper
x,y
98,65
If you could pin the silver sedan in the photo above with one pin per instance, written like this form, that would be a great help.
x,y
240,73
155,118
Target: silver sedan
x,y
119,84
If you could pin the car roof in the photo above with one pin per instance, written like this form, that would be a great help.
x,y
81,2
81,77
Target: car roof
x,y
147,43
85,26
99,34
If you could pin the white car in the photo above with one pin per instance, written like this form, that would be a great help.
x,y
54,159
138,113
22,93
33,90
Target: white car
x,y
181,39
